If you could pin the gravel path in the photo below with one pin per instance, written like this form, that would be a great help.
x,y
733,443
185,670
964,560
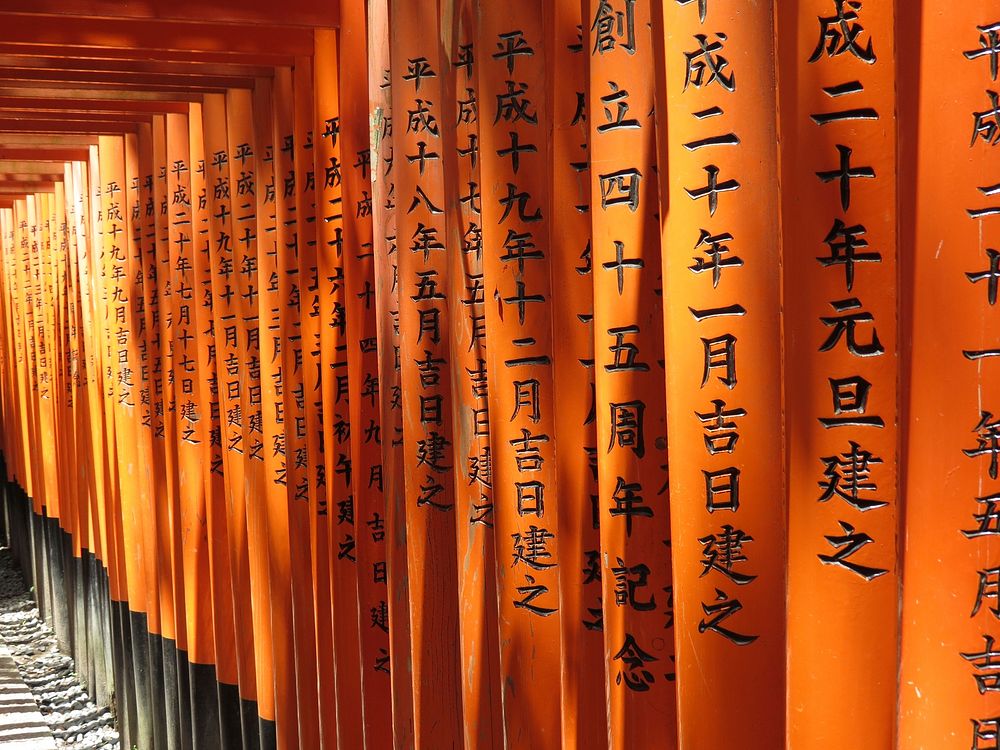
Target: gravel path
x,y
75,721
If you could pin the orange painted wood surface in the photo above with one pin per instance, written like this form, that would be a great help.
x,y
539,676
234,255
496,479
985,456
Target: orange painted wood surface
x,y
839,161
628,403
385,249
947,165
720,222
515,207
426,405
453,373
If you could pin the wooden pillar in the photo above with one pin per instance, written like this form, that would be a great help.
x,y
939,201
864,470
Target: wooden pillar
x,y
628,373
425,389
838,178
720,218
947,234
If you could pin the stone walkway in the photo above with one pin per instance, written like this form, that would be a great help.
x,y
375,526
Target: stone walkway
x,y
21,723
33,669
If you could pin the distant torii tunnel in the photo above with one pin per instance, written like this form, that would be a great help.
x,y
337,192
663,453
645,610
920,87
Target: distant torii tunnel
x,y
478,374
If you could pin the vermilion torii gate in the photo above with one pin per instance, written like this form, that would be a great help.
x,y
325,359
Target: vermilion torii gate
x,y
428,374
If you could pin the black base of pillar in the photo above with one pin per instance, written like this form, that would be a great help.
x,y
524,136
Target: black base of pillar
x,y
160,700
142,734
230,726
156,681
184,700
